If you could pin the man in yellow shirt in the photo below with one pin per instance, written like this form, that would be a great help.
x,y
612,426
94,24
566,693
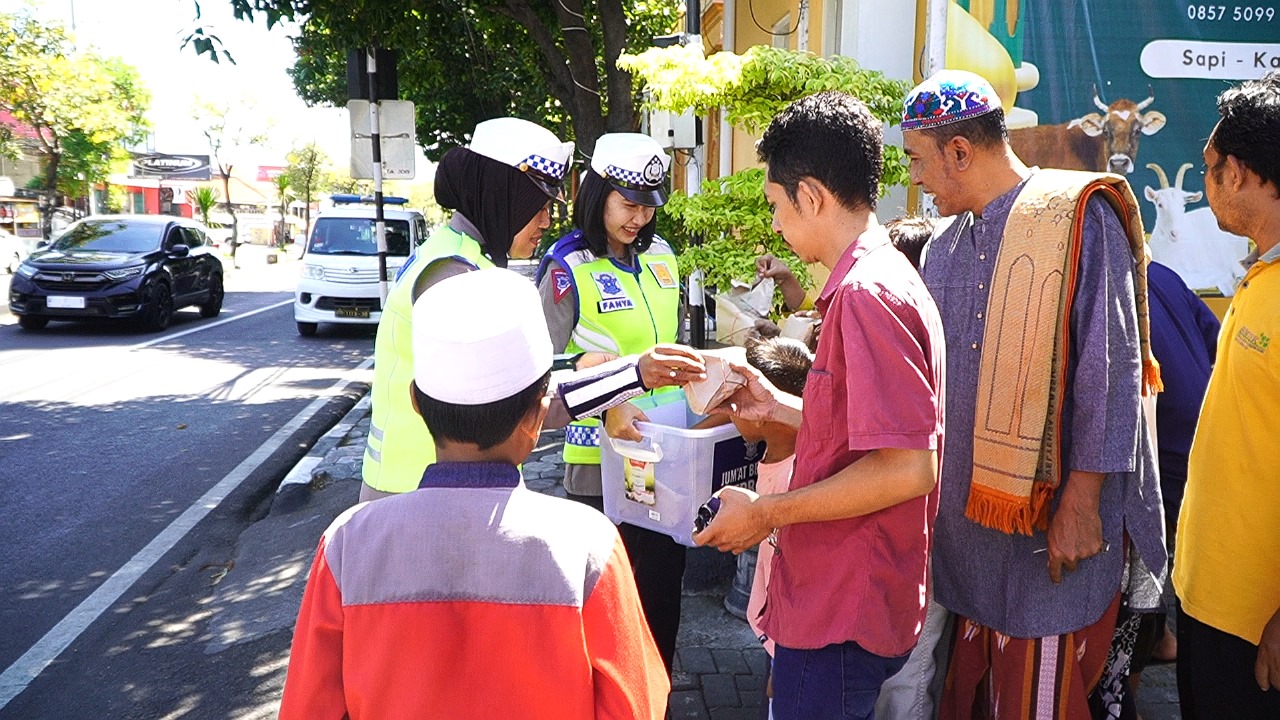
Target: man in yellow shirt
x,y
1227,566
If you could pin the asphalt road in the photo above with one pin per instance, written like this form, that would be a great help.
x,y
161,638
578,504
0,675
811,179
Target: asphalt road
x,y
129,464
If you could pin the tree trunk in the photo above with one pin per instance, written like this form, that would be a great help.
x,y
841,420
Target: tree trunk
x,y
572,77
50,193
587,110
620,99
225,172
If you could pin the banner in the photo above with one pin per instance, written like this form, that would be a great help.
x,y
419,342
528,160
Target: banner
x,y
170,167
268,173
1129,88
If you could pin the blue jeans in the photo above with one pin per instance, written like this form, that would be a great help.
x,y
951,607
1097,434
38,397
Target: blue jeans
x,y
840,682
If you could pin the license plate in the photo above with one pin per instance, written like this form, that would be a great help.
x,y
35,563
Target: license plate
x,y
351,312
65,301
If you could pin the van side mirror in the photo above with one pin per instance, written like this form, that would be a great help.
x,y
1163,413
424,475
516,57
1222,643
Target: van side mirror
x,y
179,251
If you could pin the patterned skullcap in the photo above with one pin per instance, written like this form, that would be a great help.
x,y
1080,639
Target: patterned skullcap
x,y
948,96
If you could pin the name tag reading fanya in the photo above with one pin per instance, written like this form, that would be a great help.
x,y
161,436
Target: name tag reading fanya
x,y
612,296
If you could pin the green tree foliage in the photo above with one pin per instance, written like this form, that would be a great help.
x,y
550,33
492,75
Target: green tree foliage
x,y
229,128
732,217
306,172
463,61
83,108
284,195
204,198
730,214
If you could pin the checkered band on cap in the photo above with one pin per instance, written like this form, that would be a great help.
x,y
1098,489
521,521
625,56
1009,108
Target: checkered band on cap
x,y
631,160
631,178
545,166
948,96
582,436
523,145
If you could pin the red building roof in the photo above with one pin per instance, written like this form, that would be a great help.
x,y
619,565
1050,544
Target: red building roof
x,y
18,127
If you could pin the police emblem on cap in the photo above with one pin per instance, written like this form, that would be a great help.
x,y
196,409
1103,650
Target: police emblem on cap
x,y
654,172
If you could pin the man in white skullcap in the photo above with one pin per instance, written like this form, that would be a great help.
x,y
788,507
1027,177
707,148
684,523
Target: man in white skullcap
x,y
500,188
502,602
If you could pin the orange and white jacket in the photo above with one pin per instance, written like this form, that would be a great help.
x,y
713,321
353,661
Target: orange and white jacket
x,y
472,597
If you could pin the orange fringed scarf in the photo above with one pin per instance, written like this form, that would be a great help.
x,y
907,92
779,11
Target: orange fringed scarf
x,y
1017,448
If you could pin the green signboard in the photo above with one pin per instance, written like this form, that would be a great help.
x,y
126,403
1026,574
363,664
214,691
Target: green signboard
x,y
1125,85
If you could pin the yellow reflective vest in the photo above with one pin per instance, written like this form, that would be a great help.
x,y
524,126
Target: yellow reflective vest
x,y
621,310
399,447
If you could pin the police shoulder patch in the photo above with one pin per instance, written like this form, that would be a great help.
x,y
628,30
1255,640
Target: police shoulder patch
x,y
560,282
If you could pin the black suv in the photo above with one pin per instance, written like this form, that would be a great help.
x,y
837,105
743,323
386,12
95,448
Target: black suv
x,y
119,266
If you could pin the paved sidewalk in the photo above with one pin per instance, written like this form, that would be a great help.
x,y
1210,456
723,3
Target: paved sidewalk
x,y
719,668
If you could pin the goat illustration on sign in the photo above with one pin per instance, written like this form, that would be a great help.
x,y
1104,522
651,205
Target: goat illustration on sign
x,y
1189,242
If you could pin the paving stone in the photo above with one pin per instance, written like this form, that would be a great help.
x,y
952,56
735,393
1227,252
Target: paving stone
x,y
686,705
697,660
735,713
719,690
538,484
730,661
684,681
757,659
752,683
751,698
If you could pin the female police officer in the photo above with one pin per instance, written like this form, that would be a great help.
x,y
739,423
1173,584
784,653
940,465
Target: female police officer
x,y
612,286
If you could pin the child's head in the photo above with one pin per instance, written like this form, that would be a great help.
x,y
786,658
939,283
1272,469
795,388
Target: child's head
x,y
783,362
909,234
482,363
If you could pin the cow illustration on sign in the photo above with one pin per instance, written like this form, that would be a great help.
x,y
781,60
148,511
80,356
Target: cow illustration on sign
x,y
1099,142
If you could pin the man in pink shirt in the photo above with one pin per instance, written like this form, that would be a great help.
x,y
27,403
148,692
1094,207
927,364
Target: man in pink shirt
x,y
849,578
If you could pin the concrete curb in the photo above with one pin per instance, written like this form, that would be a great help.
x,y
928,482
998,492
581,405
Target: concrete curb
x,y
296,487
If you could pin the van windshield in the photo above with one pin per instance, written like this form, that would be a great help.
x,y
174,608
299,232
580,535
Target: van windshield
x,y
355,236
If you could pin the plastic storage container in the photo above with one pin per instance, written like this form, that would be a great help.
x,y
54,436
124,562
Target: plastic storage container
x,y
659,483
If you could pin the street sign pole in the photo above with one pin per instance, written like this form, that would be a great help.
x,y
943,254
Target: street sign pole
x,y
380,223
693,182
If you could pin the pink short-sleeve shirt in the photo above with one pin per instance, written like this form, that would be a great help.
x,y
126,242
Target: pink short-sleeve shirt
x,y
876,382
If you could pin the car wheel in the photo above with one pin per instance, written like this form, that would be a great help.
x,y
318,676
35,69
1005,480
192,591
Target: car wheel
x,y
32,322
307,329
213,305
159,310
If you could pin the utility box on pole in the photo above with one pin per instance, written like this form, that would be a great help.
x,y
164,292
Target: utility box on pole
x,y
387,82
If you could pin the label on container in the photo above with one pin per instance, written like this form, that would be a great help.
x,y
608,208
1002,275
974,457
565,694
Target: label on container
x,y
637,476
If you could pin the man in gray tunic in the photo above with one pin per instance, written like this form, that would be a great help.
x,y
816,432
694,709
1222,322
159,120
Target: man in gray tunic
x,y
1034,581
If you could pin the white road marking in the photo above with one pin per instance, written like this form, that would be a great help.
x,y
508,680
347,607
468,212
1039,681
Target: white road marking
x,y
209,326
25,669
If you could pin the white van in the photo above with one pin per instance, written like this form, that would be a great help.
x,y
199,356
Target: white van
x,y
339,279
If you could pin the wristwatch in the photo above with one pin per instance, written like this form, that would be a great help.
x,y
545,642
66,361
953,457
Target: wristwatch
x,y
567,361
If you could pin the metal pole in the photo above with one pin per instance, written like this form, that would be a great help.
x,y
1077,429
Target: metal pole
x,y
693,179
380,223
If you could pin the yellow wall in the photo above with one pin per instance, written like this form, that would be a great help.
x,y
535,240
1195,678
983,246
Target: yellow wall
x,y
768,12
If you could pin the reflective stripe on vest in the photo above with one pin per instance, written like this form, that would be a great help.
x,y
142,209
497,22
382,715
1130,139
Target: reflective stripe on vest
x,y
621,310
399,448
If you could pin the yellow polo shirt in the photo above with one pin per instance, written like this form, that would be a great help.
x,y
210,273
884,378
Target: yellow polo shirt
x,y
1227,563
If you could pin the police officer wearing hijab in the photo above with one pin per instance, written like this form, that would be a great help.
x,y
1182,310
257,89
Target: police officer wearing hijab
x,y
500,188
